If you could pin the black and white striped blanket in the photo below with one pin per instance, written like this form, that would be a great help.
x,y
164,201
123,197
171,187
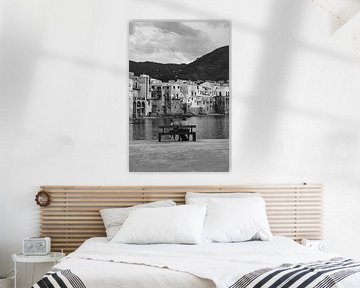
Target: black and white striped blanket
x,y
57,278
320,274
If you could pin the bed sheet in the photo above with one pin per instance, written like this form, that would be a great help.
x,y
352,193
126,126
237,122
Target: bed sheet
x,y
100,263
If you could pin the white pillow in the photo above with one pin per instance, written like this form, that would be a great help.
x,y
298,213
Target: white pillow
x,y
113,218
236,220
180,224
203,198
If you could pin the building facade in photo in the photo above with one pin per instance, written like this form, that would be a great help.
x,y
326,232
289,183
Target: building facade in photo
x,y
150,97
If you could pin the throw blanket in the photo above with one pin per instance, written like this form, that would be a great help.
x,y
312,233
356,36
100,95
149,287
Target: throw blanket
x,y
320,274
59,278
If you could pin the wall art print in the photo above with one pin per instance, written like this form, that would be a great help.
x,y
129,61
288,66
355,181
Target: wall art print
x,y
179,96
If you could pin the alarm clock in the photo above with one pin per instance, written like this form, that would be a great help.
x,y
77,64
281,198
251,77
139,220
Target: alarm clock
x,y
320,245
36,246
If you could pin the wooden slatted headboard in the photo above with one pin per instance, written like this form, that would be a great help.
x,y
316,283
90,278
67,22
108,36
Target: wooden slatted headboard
x,y
73,215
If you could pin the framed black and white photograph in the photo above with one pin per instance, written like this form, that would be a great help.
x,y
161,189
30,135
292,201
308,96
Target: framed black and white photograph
x,y
179,96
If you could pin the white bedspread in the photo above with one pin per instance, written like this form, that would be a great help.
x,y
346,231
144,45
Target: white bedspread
x,y
102,264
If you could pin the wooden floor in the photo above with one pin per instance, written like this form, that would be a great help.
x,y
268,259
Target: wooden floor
x,y
205,155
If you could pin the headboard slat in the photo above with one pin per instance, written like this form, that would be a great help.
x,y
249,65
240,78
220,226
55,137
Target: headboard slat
x,y
73,216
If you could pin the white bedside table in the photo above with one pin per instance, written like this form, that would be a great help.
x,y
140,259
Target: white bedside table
x,y
53,257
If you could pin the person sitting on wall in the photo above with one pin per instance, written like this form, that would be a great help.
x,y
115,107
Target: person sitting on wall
x,y
177,129
172,129
183,130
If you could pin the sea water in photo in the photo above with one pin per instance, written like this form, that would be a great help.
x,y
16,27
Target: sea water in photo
x,y
207,127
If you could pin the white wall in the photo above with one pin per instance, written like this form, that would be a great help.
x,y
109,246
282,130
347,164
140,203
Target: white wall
x,y
63,87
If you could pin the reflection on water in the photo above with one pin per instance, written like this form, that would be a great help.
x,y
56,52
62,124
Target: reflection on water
x,y
207,127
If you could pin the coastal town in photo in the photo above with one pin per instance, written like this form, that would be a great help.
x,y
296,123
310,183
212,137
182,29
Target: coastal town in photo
x,y
153,98
178,109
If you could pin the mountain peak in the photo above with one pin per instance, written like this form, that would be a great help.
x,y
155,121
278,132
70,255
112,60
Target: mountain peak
x,y
211,66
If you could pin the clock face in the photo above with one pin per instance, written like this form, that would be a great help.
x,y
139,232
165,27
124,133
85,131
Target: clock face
x,y
323,247
40,245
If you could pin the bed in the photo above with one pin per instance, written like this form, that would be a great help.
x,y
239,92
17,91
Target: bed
x,y
99,263
294,212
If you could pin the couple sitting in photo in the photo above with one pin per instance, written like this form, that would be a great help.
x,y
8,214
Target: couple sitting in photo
x,y
180,129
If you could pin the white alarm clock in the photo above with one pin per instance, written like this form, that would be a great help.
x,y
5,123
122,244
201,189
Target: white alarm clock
x,y
36,246
320,245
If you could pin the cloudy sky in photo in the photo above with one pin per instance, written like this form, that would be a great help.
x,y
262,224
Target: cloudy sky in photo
x,y
175,42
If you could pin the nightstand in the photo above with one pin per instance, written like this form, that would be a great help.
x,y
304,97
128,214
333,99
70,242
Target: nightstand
x,y
53,257
320,245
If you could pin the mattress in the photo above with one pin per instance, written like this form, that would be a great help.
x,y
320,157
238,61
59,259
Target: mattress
x,y
99,263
